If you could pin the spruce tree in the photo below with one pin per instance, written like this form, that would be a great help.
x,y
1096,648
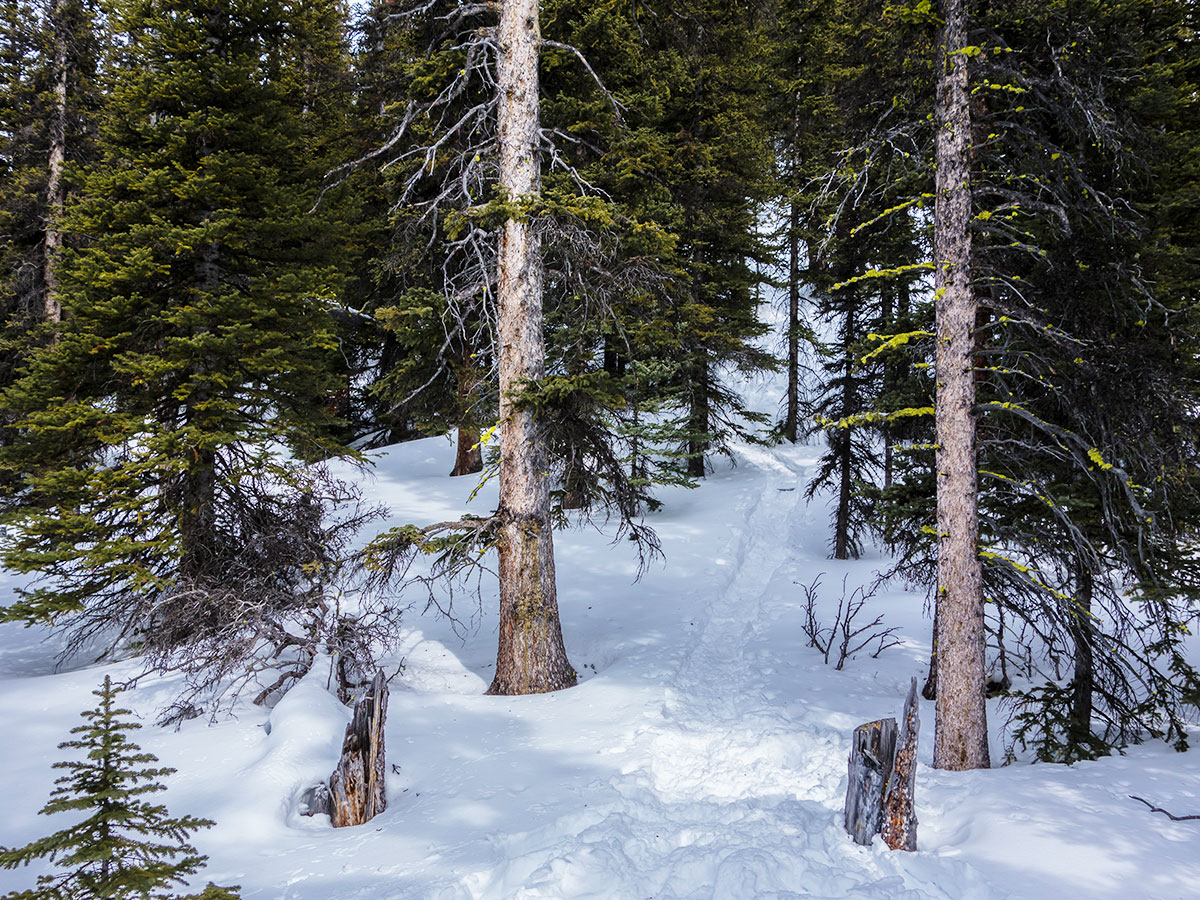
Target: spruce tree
x,y
196,341
1083,365
125,846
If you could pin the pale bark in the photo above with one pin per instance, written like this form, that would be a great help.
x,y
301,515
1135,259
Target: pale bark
x,y
960,730
531,656
55,188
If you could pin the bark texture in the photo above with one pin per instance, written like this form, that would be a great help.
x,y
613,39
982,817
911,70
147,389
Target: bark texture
x,y
55,187
960,729
468,458
357,790
531,656
899,828
872,752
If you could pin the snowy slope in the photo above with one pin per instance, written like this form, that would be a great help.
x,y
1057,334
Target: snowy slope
x,y
703,754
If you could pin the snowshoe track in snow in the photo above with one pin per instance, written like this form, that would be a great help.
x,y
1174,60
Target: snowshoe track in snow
x,y
730,798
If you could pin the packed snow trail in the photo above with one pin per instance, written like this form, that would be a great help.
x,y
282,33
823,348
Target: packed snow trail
x,y
725,795
701,757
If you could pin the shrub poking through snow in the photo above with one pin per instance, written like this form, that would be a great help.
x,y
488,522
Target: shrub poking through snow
x,y
845,637
125,847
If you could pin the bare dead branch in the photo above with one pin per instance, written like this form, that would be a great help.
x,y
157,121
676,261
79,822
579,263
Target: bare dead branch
x,y
1157,809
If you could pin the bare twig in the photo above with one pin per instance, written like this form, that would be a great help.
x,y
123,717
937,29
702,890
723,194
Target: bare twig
x,y
1158,809
843,634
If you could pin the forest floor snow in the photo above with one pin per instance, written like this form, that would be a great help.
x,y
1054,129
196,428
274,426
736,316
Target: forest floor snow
x,y
702,755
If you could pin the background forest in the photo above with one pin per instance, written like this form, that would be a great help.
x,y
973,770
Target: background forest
x,y
246,244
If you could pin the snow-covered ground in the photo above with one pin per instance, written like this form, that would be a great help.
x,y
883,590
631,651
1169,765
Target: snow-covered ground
x,y
703,754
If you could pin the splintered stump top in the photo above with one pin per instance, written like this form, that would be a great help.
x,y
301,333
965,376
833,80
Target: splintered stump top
x,y
899,827
357,786
871,754
879,797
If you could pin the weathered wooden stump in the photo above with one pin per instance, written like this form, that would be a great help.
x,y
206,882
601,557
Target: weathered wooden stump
x,y
899,817
872,753
357,786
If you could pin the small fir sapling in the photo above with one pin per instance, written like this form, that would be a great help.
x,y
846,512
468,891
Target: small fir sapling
x,y
125,847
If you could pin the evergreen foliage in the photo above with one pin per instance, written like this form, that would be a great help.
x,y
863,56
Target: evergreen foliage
x,y
148,438
1087,442
279,242
125,846
28,29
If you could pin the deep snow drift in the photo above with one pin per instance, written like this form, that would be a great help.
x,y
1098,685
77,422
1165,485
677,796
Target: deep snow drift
x,y
703,754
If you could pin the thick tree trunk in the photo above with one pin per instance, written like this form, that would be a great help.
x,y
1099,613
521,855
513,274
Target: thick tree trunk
x,y
531,656
960,729
55,188
468,455
791,423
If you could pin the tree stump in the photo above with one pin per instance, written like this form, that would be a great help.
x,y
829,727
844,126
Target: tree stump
x,y
357,786
872,752
899,817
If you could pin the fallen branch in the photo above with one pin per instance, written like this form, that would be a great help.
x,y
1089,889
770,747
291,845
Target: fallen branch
x,y
1157,809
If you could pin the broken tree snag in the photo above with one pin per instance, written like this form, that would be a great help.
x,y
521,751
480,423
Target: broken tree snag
x,y
871,753
357,786
899,815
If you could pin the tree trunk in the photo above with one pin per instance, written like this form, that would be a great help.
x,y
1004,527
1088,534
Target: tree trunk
x,y
845,451
531,656
929,691
198,504
468,455
698,416
1081,633
614,360
960,728
468,459
55,189
357,787
890,377
791,424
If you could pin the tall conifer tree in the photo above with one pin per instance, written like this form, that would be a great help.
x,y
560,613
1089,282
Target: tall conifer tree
x,y
195,337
